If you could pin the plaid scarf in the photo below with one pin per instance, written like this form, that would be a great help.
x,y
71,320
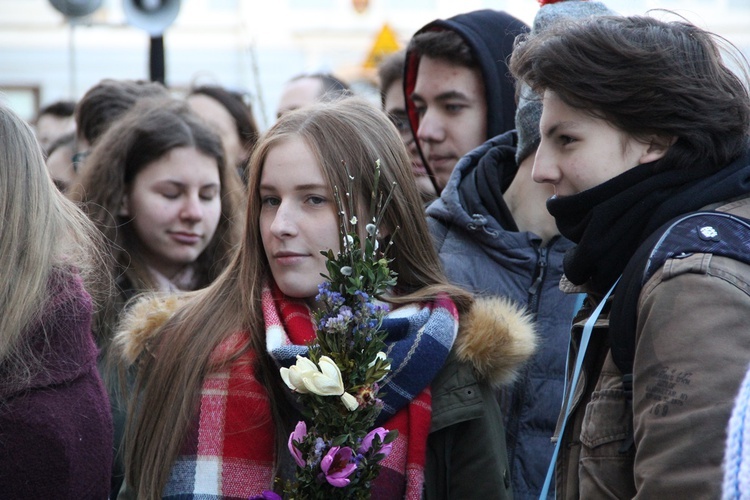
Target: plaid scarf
x,y
419,339
228,451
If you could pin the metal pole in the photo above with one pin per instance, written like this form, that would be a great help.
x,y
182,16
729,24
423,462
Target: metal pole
x,y
72,58
156,59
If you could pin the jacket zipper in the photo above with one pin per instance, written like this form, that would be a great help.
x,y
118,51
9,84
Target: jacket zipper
x,y
540,272
519,391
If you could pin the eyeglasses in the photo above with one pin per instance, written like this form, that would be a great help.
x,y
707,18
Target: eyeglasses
x,y
401,121
78,158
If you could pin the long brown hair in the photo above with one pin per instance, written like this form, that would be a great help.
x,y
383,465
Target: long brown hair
x,y
43,234
349,132
143,135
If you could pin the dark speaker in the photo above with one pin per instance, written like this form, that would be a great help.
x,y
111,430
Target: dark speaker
x,y
154,16
76,8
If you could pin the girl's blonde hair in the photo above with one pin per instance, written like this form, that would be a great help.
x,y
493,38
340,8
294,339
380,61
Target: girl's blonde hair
x,y
43,235
345,136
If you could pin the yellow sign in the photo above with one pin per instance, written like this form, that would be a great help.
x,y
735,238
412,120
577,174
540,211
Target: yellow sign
x,y
385,43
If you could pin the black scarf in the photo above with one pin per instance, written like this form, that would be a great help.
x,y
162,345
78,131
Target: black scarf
x,y
481,191
610,221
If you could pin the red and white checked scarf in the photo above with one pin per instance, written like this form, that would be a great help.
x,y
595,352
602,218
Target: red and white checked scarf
x,y
229,449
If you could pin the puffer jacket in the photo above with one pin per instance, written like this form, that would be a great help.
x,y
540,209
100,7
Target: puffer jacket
x,y
692,349
466,454
480,254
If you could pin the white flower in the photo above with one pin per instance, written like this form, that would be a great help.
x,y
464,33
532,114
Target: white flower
x,y
294,377
380,355
353,220
349,240
349,401
370,229
346,271
328,382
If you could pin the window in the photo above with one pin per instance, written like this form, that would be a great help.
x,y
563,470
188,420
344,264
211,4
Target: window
x,y
24,100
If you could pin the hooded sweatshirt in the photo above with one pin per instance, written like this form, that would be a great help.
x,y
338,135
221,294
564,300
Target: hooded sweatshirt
x,y
490,35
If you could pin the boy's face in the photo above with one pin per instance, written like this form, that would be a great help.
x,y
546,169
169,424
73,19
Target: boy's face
x,y
452,108
394,104
579,151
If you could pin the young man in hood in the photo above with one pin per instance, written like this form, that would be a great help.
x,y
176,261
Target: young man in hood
x,y
495,237
458,90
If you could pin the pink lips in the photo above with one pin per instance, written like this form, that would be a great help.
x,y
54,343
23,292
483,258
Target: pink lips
x,y
437,161
288,258
186,238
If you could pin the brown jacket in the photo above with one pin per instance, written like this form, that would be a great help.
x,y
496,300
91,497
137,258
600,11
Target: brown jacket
x,y
692,349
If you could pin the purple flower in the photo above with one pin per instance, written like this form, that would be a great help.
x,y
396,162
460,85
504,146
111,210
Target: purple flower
x,y
298,435
336,466
366,445
266,495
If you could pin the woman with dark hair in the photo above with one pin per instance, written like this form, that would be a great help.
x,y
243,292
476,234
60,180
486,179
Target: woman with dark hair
x,y
159,190
642,124
158,187
55,424
211,413
232,118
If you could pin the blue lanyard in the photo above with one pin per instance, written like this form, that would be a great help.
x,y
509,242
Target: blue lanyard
x,y
585,337
581,297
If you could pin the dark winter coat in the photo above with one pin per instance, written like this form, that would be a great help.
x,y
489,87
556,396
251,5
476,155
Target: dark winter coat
x,y
465,456
479,252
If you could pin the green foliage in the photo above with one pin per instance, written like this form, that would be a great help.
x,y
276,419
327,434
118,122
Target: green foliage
x,y
348,320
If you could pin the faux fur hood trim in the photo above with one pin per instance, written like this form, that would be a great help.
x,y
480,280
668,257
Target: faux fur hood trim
x,y
496,336
142,322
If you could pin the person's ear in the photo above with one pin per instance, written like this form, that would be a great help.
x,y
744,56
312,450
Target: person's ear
x,y
657,148
124,206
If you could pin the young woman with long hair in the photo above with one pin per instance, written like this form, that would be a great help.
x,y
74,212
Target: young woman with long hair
x,y
55,424
211,413
159,189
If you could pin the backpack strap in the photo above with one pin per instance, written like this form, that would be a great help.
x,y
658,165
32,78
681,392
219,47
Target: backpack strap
x,y
717,233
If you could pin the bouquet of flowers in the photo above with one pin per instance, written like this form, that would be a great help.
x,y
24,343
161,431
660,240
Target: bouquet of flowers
x,y
336,448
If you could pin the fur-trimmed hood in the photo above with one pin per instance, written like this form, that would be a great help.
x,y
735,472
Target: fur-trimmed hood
x,y
143,321
495,336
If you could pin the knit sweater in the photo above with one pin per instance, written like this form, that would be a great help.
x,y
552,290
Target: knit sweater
x,y
56,430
